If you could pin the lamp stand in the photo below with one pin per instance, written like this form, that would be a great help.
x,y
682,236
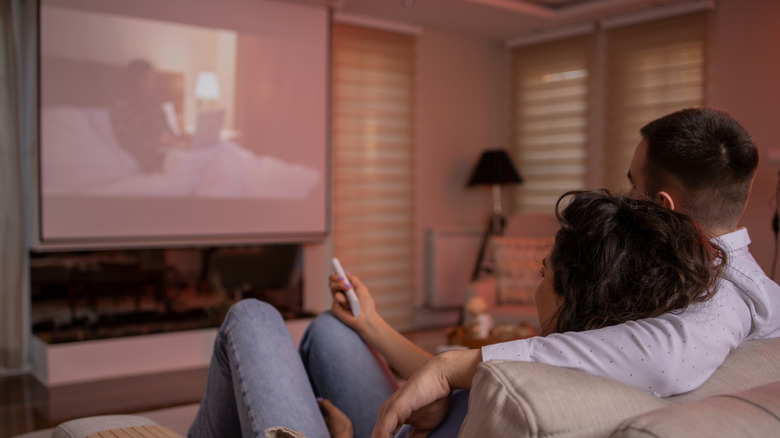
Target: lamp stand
x,y
495,227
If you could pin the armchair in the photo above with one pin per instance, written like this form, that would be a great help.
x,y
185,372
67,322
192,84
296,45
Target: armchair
x,y
511,269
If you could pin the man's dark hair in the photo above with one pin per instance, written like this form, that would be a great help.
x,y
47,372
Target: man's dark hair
x,y
618,259
139,67
707,158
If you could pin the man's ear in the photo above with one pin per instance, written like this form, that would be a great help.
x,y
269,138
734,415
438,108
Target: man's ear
x,y
665,199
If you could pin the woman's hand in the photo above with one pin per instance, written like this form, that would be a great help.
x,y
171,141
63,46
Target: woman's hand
x,y
432,383
339,426
401,354
341,308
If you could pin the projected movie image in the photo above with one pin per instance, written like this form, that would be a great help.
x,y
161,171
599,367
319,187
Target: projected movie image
x,y
168,127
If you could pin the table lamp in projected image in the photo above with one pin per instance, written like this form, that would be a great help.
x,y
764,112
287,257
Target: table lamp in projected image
x,y
206,89
494,168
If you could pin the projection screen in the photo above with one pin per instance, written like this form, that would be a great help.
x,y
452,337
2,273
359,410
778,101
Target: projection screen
x,y
182,120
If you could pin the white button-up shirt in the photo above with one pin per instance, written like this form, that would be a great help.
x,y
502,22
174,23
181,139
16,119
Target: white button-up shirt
x,y
675,352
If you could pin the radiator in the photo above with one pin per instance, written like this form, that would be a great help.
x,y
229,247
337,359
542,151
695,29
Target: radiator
x,y
450,256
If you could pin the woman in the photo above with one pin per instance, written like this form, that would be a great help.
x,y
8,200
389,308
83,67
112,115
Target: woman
x,y
614,259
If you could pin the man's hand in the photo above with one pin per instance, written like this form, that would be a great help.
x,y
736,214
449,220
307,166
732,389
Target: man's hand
x,y
431,384
425,419
339,426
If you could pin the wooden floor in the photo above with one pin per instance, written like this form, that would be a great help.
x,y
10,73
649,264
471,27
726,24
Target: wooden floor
x,y
26,405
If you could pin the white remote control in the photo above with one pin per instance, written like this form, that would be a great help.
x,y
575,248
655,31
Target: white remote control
x,y
354,304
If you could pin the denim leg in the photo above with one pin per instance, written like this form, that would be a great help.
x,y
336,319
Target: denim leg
x,y
256,379
344,370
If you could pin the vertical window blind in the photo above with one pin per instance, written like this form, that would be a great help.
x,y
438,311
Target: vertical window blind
x,y
550,95
372,161
642,72
653,69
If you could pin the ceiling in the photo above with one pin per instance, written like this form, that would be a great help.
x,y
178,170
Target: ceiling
x,y
494,19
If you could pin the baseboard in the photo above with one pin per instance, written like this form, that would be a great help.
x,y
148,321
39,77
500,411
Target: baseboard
x,y
76,362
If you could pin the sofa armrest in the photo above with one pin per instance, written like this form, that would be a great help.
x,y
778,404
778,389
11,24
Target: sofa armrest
x,y
137,427
526,399
131,425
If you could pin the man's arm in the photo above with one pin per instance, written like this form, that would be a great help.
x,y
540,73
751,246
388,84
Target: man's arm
x,y
430,384
667,355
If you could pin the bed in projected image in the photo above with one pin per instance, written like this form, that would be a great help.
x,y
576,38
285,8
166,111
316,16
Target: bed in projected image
x,y
198,122
84,156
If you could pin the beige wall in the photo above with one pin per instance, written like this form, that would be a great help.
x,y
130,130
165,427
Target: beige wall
x,y
745,81
462,108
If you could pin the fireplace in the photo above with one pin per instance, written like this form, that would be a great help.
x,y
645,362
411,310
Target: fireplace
x,y
87,295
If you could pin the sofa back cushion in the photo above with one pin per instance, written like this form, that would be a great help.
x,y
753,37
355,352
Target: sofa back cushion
x,y
527,399
753,363
537,400
751,413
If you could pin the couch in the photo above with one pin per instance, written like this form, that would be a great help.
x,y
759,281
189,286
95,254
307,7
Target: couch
x,y
741,399
518,399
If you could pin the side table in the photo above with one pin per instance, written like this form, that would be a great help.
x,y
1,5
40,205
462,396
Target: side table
x,y
462,336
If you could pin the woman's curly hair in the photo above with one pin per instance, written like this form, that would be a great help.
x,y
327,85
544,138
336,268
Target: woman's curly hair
x,y
617,259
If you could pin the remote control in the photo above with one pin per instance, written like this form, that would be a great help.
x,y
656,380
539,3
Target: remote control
x,y
354,304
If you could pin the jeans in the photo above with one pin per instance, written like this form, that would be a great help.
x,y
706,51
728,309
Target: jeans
x,y
345,370
258,380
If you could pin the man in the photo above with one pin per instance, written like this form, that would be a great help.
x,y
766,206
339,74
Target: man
x,y
699,161
139,121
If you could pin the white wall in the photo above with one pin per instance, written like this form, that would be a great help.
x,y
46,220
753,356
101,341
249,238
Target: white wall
x,y
745,81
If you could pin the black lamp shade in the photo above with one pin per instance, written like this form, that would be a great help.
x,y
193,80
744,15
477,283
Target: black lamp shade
x,y
495,167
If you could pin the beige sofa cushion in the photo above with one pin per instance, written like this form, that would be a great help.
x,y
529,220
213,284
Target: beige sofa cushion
x,y
524,399
86,427
137,432
751,413
531,399
754,363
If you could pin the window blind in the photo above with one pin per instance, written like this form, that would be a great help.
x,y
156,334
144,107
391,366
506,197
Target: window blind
x,y
550,95
652,69
372,161
609,83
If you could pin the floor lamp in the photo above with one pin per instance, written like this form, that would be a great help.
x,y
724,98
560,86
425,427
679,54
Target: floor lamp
x,y
494,168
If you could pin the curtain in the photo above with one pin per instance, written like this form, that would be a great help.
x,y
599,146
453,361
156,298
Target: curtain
x,y
14,296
